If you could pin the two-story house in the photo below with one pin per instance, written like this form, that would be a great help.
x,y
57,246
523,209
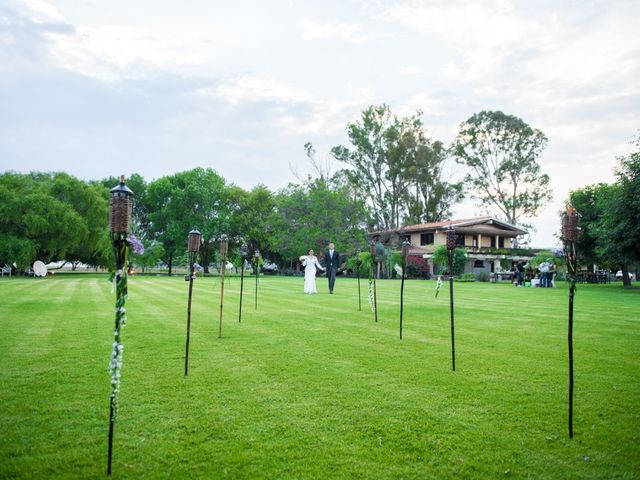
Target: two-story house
x,y
489,242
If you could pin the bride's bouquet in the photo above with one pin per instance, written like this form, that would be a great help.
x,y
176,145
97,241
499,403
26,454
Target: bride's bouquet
x,y
302,258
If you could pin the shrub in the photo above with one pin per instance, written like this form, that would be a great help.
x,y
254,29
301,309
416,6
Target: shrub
x,y
482,277
466,277
417,267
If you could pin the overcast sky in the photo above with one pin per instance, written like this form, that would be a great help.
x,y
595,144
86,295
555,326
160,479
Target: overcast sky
x,y
99,88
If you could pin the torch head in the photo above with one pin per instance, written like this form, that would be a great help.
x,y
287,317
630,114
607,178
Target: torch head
x,y
451,238
194,240
570,225
120,206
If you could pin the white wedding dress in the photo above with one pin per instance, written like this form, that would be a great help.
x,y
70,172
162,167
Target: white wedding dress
x,y
310,264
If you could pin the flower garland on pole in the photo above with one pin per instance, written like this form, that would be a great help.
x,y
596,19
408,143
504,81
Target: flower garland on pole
x,y
570,237
193,244
120,206
256,256
373,297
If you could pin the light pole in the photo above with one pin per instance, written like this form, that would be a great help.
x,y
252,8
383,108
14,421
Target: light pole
x,y
451,245
570,238
193,244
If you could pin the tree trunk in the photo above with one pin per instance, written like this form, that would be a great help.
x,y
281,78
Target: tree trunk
x,y
170,262
626,281
204,255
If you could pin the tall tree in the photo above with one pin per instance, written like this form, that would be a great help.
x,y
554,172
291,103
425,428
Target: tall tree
x,y
379,155
501,151
430,195
396,168
250,217
194,198
48,216
591,203
619,234
310,216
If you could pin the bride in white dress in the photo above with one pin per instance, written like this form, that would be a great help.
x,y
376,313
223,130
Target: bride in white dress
x,y
311,264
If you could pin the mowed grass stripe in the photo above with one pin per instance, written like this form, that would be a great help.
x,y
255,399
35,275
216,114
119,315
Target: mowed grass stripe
x,y
308,387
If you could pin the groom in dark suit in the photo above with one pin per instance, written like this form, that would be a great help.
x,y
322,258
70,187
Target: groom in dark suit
x,y
331,263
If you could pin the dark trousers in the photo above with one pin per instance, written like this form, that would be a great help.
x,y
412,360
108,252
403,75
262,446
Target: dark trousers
x,y
331,275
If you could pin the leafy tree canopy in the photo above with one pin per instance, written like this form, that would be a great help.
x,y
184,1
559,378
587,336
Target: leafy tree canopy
x,y
501,152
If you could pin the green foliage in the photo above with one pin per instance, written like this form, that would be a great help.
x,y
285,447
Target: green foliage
x,y
591,203
359,264
50,216
396,168
310,216
548,257
481,276
251,219
501,152
467,277
441,258
177,203
153,253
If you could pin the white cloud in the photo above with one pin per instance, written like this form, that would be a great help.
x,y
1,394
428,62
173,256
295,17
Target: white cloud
x,y
333,30
410,70
249,89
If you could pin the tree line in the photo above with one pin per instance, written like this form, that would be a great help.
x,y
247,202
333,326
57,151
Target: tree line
x,y
392,173
610,218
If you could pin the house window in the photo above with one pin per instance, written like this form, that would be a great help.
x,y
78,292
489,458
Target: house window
x,y
475,241
493,242
460,240
500,242
478,264
426,238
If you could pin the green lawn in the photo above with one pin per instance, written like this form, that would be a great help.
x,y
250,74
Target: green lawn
x,y
309,387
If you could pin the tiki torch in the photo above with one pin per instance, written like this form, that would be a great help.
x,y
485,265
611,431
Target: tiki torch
x,y
570,238
256,257
405,250
224,245
451,245
372,248
120,205
243,251
193,244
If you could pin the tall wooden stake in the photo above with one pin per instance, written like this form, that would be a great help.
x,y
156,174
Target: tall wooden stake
x,y
223,253
570,238
453,337
372,250
359,296
120,207
192,261
405,250
193,245
257,262
451,245
244,256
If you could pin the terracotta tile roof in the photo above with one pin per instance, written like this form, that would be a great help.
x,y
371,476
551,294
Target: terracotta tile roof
x,y
446,223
